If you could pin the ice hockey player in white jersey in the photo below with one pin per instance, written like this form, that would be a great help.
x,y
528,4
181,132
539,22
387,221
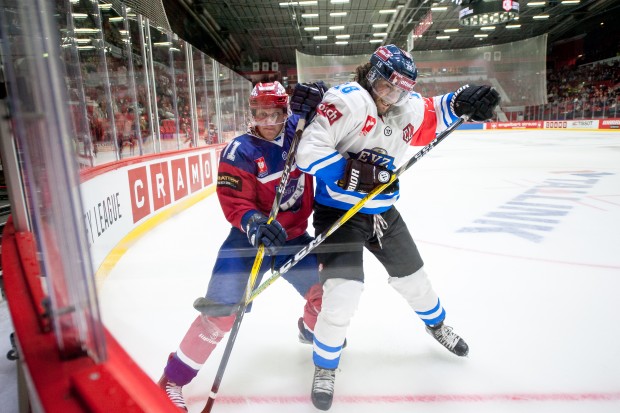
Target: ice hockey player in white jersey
x,y
360,135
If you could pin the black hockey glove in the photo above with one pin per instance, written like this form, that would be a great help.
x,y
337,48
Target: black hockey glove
x,y
363,177
273,236
476,102
306,97
394,186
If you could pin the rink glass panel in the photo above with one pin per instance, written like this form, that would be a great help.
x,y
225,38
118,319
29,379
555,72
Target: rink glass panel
x,y
517,68
135,88
87,48
136,26
123,83
44,128
93,81
226,101
163,76
205,109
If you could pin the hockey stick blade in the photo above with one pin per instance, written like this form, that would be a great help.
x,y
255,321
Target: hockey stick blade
x,y
301,254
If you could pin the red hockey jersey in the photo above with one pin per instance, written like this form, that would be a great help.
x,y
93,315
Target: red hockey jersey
x,y
249,172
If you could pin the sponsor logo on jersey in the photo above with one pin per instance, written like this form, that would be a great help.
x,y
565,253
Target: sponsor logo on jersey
x,y
408,133
383,53
387,131
376,156
329,111
225,180
368,125
262,167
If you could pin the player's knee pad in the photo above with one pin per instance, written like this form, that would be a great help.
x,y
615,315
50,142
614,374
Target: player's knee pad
x,y
413,287
201,339
314,297
340,300
217,326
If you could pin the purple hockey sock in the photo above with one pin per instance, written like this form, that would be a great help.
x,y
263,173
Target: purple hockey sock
x,y
178,372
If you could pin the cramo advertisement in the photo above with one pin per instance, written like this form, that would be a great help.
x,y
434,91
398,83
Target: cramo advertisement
x,y
118,198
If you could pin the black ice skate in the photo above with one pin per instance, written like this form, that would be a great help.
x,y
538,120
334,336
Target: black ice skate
x,y
323,388
173,391
306,337
449,339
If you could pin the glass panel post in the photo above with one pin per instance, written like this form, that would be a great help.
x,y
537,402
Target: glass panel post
x,y
191,89
145,92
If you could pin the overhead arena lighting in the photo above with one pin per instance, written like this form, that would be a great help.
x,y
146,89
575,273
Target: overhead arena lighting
x,y
485,13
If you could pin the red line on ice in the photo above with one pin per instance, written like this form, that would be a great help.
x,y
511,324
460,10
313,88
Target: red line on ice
x,y
422,398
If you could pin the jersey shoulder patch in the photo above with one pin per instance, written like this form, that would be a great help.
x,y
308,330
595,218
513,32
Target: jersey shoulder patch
x,y
348,99
242,153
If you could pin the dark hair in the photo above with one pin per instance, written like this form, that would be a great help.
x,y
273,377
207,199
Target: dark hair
x,y
360,75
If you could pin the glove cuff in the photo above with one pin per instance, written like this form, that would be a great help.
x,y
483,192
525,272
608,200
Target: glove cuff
x,y
249,218
455,97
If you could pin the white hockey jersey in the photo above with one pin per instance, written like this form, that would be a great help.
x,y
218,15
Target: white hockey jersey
x,y
347,126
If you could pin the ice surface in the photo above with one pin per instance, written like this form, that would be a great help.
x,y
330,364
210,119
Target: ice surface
x,y
535,294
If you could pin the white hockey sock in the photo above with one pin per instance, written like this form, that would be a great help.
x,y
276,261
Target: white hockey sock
x,y
340,300
418,291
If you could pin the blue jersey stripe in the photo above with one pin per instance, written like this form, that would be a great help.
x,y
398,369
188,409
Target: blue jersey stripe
x,y
313,165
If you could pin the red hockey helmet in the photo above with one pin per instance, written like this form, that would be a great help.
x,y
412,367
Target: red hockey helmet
x,y
266,97
269,95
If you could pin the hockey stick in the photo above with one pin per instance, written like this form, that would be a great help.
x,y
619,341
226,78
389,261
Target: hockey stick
x,y
354,209
288,165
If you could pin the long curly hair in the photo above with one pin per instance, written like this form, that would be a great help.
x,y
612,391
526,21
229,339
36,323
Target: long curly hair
x,y
360,75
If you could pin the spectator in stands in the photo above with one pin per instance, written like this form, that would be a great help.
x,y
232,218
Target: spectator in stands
x,y
212,136
125,132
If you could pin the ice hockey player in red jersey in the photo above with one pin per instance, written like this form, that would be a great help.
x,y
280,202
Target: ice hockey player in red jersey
x,y
360,135
249,172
